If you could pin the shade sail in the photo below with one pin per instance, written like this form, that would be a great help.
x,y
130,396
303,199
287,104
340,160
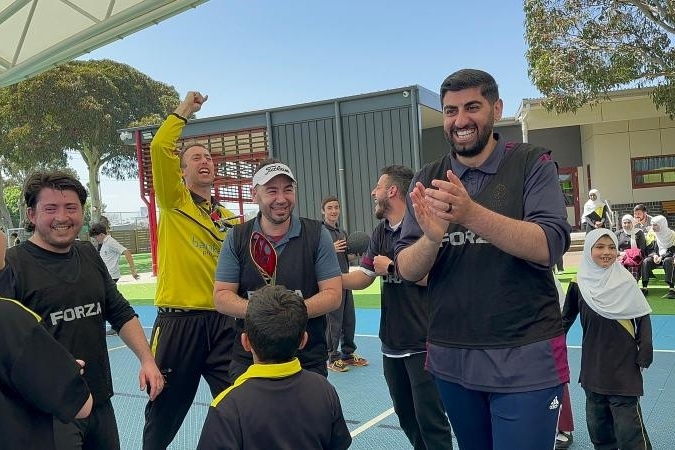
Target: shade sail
x,y
36,35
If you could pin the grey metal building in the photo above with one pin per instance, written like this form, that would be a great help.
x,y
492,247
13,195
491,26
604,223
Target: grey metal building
x,y
335,146
338,146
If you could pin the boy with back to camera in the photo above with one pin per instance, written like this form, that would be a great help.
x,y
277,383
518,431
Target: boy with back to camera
x,y
275,403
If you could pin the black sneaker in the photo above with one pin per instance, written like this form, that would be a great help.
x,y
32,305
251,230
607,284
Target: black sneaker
x,y
645,291
563,440
671,293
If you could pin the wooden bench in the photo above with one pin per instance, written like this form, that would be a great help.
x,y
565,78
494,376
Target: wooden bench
x,y
668,207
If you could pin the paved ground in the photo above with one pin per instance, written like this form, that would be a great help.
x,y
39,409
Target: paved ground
x,y
366,403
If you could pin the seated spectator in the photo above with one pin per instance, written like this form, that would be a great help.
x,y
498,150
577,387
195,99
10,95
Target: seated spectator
x,y
596,212
276,403
643,221
632,246
664,249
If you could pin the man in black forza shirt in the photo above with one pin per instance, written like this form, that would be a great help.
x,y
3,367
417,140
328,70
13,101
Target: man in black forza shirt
x,y
65,282
39,379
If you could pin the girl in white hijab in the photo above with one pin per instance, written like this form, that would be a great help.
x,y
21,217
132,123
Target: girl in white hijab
x,y
596,214
616,345
664,249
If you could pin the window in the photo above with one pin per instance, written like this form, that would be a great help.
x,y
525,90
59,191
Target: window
x,y
567,186
653,171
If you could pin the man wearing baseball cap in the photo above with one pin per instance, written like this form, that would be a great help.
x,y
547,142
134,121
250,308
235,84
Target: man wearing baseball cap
x,y
305,263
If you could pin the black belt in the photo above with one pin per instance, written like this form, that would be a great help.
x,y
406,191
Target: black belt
x,y
166,309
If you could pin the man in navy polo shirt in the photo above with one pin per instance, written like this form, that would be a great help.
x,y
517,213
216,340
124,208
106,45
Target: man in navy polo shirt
x,y
485,224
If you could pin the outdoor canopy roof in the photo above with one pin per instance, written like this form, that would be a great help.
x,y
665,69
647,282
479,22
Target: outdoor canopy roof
x,y
38,35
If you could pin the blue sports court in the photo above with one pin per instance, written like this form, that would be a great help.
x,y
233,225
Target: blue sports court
x,y
365,400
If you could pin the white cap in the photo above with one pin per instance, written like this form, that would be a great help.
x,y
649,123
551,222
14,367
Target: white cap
x,y
270,171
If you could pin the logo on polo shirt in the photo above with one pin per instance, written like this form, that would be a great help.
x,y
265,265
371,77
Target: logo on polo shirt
x,y
459,238
78,312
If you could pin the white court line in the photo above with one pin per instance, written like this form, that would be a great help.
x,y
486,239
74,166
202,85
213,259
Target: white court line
x,y
655,350
117,348
372,422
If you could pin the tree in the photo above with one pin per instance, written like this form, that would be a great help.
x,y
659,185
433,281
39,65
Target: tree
x,y
580,50
12,200
21,153
80,106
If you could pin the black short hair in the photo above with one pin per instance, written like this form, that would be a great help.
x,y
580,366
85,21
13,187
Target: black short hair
x,y
276,319
57,180
640,207
471,78
104,220
399,176
330,198
98,228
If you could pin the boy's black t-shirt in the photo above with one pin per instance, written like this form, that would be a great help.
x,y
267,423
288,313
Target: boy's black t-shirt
x,y
39,379
276,406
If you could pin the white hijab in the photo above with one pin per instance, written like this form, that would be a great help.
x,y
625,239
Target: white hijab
x,y
592,205
632,231
610,292
665,237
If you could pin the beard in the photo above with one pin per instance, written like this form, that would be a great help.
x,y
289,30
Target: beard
x,y
277,218
479,145
381,208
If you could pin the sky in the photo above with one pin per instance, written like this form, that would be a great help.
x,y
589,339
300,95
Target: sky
x,y
256,54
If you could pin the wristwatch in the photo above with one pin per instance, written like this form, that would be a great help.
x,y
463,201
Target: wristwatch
x,y
391,269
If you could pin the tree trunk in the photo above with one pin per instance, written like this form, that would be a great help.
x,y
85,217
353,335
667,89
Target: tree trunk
x,y
4,211
92,159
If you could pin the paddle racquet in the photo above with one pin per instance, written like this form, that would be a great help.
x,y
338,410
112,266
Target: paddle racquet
x,y
264,257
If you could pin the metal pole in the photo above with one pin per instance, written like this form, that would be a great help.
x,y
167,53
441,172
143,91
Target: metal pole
x,y
416,119
270,143
342,194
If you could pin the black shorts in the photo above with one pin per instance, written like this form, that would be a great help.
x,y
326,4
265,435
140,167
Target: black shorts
x,y
96,432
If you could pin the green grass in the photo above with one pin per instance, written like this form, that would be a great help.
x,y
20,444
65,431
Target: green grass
x,y
138,294
142,261
369,298
142,294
